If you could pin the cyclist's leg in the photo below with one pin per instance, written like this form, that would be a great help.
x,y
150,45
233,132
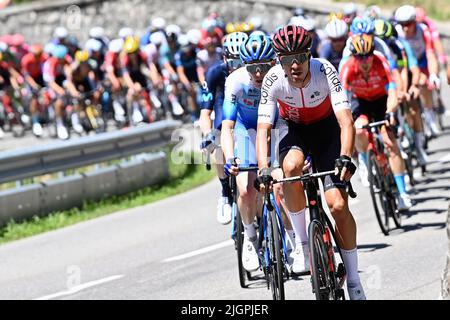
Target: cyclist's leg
x,y
426,99
361,118
337,201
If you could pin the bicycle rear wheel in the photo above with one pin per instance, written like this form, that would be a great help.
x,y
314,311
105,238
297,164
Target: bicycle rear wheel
x,y
378,193
320,275
277,262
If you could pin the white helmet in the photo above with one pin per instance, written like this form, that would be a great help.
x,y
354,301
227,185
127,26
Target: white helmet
x,y
405,13
97,32
157,38
173,29
373,12
60,33
336,28
159,23
116,45
183,40
194,36
308,23
126,32
3,46
49,47
93,45
350,8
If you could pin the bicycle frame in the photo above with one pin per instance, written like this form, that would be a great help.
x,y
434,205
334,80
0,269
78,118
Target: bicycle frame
x,y
376,145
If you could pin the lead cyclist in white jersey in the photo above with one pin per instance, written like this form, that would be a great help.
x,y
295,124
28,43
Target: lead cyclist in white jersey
x,y
314,118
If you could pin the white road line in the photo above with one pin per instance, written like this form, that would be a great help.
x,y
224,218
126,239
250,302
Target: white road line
x,y
201,251
80,287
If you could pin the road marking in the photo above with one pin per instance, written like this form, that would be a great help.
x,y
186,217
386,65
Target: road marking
x,y
201,251
80,288
445,158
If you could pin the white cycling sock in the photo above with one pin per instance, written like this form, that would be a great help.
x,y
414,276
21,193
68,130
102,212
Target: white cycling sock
x,y
298,220
291,238
59,122
249,230
350,258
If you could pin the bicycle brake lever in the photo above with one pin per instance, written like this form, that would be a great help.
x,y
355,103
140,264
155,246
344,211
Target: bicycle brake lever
x,y
350,190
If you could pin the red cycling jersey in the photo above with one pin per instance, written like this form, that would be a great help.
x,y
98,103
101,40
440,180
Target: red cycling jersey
x,y
131,68
112,60
376,85
54,69
32,65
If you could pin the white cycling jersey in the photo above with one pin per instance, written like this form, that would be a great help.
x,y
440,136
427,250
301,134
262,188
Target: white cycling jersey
x,y
316,101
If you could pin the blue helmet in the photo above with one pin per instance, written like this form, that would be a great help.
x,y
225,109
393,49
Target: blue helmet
x,y
60,51
362,26
257,48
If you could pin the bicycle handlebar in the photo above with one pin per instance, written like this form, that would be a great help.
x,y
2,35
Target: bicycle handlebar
x,y
374,124
315,176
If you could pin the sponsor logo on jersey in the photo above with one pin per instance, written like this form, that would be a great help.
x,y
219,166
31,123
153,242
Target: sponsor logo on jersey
x,y
332,76
269,80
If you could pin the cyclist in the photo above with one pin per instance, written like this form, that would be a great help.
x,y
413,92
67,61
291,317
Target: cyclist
x,y
366,74
212,101
81,79
315,118
56,69
113,73
187,69
135,71
408,66
309,24
350,12
332,50
209,56
32,69
421,17
419,37
240,115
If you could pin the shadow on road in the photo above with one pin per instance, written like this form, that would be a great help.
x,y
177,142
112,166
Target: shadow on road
x,y
370,247
438,151
443,187
424,199
413,212
417,226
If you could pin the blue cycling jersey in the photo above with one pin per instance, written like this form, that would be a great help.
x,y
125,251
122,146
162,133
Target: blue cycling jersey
x,y
328,53
187,60
214,91
241,99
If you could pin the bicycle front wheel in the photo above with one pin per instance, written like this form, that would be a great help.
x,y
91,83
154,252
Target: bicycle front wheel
x,y
320,273
277,263
239,243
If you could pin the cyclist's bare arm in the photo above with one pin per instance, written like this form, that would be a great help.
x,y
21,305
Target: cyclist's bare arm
x,y
262,144
392,102
345,120
226,139
201,73
155,77
205,121
169,68
183,78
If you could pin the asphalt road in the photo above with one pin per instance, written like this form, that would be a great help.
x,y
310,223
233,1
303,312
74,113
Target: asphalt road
x,y
175,249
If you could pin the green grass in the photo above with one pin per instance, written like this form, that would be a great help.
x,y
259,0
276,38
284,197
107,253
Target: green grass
x,y
183,178
436,9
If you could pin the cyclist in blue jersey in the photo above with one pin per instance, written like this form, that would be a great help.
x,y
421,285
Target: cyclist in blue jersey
x,y
240,117
332,50
212,101
410,72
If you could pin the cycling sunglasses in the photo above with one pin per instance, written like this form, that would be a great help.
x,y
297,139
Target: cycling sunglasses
x,y
298,58
259,67
362,57
234,63
406,24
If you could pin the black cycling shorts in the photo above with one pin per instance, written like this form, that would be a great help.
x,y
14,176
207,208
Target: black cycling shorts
x,y
372,110
321,140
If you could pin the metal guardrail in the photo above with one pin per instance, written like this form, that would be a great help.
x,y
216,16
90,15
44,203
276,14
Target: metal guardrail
x,y
43,159
71,191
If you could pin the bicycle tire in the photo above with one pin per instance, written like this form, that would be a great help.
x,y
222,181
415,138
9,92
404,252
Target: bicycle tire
x,y
320,276
239,243
377,190
394,212
277,264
